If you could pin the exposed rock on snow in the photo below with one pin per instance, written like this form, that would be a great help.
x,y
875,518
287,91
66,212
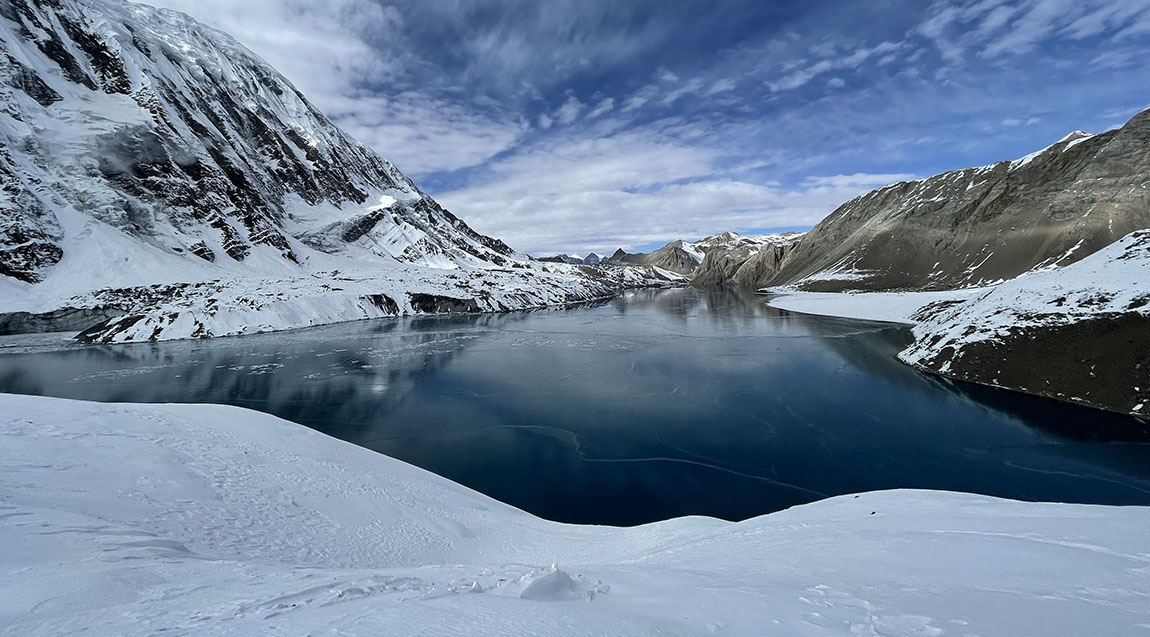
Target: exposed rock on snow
x,y
1079,333
147,160
677,256
980,226
202,519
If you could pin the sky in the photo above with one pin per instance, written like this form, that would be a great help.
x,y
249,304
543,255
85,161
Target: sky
x,y
580,125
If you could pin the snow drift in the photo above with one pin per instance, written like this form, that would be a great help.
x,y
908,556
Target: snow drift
x,y
202,519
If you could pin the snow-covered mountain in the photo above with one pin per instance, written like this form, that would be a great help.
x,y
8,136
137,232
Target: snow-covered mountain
x,y
1078,333
574,259
211,520
980,226
144,153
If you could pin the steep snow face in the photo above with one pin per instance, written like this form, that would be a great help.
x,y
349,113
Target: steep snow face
x,y
116,117
202,519
981,226
1018,333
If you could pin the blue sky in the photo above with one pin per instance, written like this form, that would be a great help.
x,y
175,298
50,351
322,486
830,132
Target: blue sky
x,y
571,126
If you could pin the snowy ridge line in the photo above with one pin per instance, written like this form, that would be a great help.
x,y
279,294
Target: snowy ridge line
x,y
204,519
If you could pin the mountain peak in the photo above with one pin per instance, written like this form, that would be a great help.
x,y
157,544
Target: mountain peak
x,y
148,123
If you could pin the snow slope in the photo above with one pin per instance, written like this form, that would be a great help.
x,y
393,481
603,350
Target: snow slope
x,y
1090,320
202,519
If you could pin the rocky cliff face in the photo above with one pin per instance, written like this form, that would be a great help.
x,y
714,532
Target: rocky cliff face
x,y
1079,333
983,225
177,136
678,256
738,260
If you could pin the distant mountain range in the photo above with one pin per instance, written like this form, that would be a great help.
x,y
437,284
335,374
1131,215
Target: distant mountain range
x,y
720,258
590,259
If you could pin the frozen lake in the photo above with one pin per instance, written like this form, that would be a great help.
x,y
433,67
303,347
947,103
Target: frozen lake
x,y
651,406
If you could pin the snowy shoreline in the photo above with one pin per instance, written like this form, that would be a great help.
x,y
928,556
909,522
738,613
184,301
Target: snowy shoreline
x,y
1077,334
885,307
241,306
205,519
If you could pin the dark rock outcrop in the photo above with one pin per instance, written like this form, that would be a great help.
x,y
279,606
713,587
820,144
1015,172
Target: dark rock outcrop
x,y
63,320
747,261
438,304
671,257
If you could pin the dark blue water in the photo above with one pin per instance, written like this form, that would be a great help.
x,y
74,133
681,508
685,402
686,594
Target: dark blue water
x,y
652,406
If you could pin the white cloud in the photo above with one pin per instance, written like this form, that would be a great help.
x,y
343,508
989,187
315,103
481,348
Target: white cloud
x,y
690,87
422,134
633,188
641,97
604,106
857,180
1015,121
852,61
999,28
722,85
569,111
